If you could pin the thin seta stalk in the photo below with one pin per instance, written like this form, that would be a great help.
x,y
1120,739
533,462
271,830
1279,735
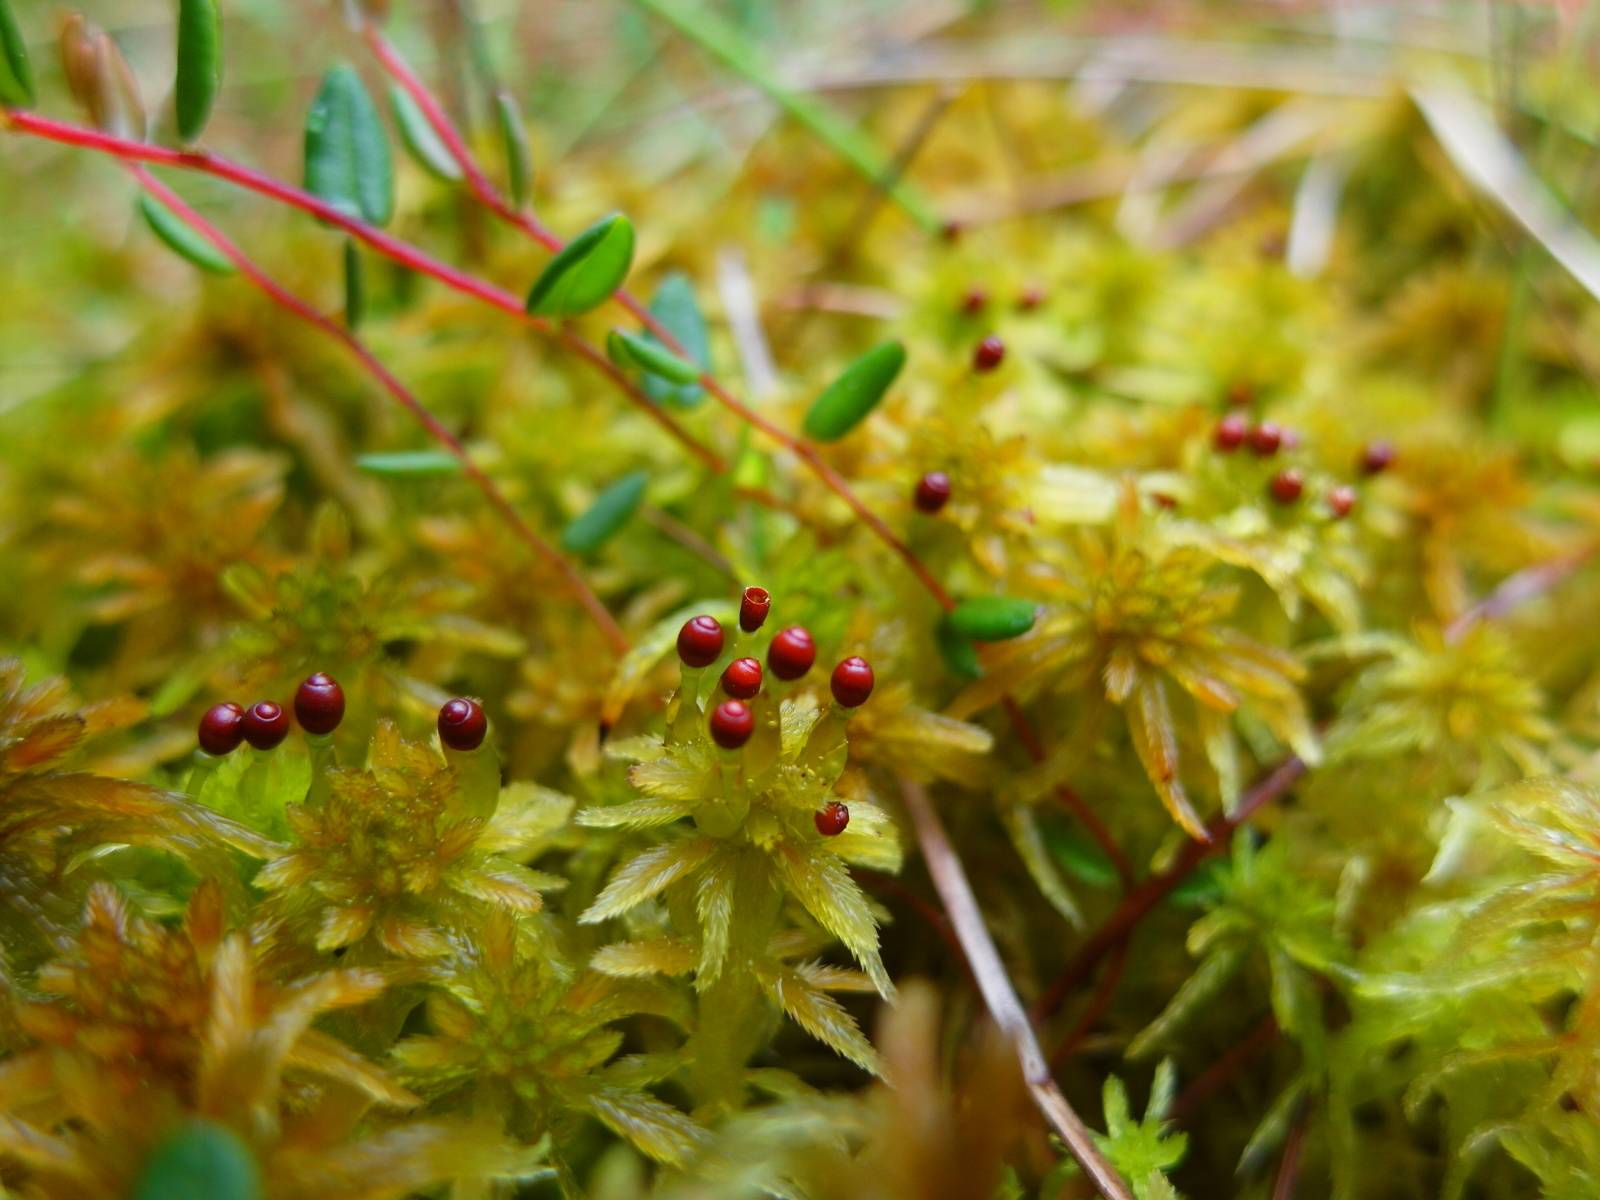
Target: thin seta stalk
x,y
287,300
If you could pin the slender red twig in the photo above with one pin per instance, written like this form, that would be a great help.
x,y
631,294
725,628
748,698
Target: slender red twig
x,y
386,244
398,391
1289,1166
1094,1010
1227,1065
1137,903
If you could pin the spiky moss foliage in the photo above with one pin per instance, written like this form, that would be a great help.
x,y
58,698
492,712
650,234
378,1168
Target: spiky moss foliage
x,y
1391,974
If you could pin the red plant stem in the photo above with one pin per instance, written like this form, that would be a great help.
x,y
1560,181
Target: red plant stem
x,y
1098,1003
398,391
394,63
1137,903
389,246
1069,796
1232,1060
1289,1166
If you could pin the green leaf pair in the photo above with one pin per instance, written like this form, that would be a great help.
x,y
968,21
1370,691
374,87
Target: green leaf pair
x,y
586,273
982,619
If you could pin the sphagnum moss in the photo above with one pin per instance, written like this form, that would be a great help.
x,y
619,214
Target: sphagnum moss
x,y
1220,562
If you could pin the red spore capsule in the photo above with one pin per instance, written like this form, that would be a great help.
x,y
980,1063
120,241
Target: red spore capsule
x,y
1376,458
265,725
832,818
754,606
852,681
742,678
732,723
222,729
1265,439
1230,433
1287,486
932,492
462,725
700,641
975,301
319,704
1341,500
991,352
791,654
1030,299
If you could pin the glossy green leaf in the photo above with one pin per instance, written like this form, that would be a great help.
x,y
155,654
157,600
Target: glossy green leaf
x,y
355,285
347,152
419,137
609,513
181,237
199,65
201,1161
993,618
519,158
675,306
585,274
848,399
958,652
632,350
410,462
16,76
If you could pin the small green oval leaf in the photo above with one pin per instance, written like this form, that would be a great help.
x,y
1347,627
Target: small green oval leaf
x,y
519,158
849,398
410,462
347,153
632,350
419,137
992,618
182,238
959,654
16,76
199,65
201,1161
674,305
587,272
609,513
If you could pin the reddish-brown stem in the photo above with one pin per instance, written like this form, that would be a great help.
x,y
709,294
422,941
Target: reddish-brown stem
x,y
1137,903
1230,1063
1069,796
935,919
394,63
1289,1166
389,246
1098,1003
398,391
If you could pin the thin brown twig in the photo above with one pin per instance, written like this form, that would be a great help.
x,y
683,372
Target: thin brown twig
x,y
1525,585
950,880
398,392
1094,1010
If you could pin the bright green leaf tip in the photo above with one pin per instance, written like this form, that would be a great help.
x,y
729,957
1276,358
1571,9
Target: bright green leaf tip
x,y
992,618
16,75
845,403
584,275
631,350
199,65
181,238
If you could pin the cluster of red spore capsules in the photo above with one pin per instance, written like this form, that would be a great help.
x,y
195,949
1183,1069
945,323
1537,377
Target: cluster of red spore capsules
x,y
790,655
1286,487
319,707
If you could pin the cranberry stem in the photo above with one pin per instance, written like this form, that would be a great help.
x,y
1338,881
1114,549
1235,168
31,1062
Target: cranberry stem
x,y
399,392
